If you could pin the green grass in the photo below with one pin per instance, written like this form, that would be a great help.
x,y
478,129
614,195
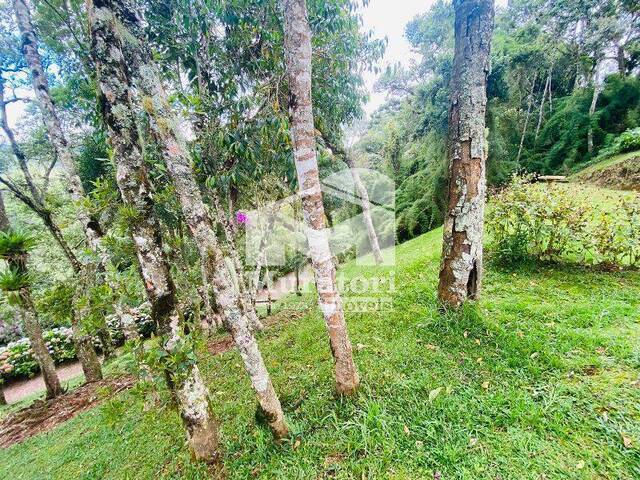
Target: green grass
x,y
535,381
602,164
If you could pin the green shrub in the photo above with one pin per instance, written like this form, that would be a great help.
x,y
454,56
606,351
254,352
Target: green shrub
x,y
627,141
17,360
550,223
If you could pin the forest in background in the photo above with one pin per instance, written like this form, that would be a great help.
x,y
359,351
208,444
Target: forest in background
x,y
563,87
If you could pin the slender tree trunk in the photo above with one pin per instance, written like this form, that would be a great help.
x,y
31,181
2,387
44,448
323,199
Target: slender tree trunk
x,y
597,89
30,317
297,46
547,87
461,268
363,195
83,341
90,226
40,351
3,399
166,128
40,84
526,121
120,117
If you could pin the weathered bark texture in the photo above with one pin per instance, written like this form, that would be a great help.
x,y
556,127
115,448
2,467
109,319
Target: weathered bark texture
x,y
461,267
90,226
40,352
3,399
119,115
363,195
82,339
40,84
166,128
297,45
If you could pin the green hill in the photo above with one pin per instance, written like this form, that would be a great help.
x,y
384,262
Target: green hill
x,y
539,380
621,172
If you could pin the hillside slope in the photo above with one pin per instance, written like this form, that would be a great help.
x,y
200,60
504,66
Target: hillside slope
x,y
621,172
540,380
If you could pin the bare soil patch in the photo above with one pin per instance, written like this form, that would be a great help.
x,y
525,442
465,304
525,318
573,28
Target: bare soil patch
x,y
44,415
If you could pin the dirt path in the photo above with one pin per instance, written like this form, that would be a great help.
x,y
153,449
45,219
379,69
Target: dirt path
x,y
16,391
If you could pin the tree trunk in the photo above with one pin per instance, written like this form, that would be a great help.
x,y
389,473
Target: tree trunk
x,y
597,89
297,46
40,84
363,195
90,226
82,340
120,117
40,352
526,120
461,267
165,126
547,87
3,399
30,317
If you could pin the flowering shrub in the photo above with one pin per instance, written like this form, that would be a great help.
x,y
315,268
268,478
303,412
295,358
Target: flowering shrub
x,y
9,332
556,224
17,360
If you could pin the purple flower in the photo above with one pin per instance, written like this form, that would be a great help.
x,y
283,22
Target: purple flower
x,y
242,218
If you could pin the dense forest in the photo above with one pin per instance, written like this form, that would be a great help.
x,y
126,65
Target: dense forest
x,y
561,90
154,152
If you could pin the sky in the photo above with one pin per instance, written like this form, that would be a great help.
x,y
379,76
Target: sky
x,y
388,18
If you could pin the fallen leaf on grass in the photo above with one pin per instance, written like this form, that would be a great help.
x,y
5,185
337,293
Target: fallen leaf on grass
x,y
473,441
626,441
296,444
580,465
485,385
406,430
434,393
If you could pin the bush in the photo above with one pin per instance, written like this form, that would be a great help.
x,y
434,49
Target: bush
x,y
627,141
550,223
9,332
17,360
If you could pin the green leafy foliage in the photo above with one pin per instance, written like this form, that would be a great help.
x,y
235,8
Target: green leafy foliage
x,y
15,243
549,223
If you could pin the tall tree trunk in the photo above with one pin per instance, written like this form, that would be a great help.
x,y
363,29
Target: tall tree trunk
x,y
166,128
597,89
120,118
40,84
297,46
622,61
82,339
90,226
363,195
526,120
30,318
461,268
547,87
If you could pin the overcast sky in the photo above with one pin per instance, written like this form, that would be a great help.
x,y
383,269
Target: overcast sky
x,y
387,18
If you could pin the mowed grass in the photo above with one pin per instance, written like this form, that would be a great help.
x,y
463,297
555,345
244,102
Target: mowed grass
x,y
538,380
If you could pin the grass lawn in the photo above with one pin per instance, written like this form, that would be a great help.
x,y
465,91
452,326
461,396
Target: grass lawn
x,y
538,380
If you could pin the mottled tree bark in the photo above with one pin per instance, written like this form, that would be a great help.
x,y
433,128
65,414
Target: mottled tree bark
x,y
166,128
82,339
119,115
90,226
461,267
40,84
297,45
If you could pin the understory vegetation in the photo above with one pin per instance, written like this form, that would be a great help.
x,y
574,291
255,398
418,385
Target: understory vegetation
x,y
539,379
